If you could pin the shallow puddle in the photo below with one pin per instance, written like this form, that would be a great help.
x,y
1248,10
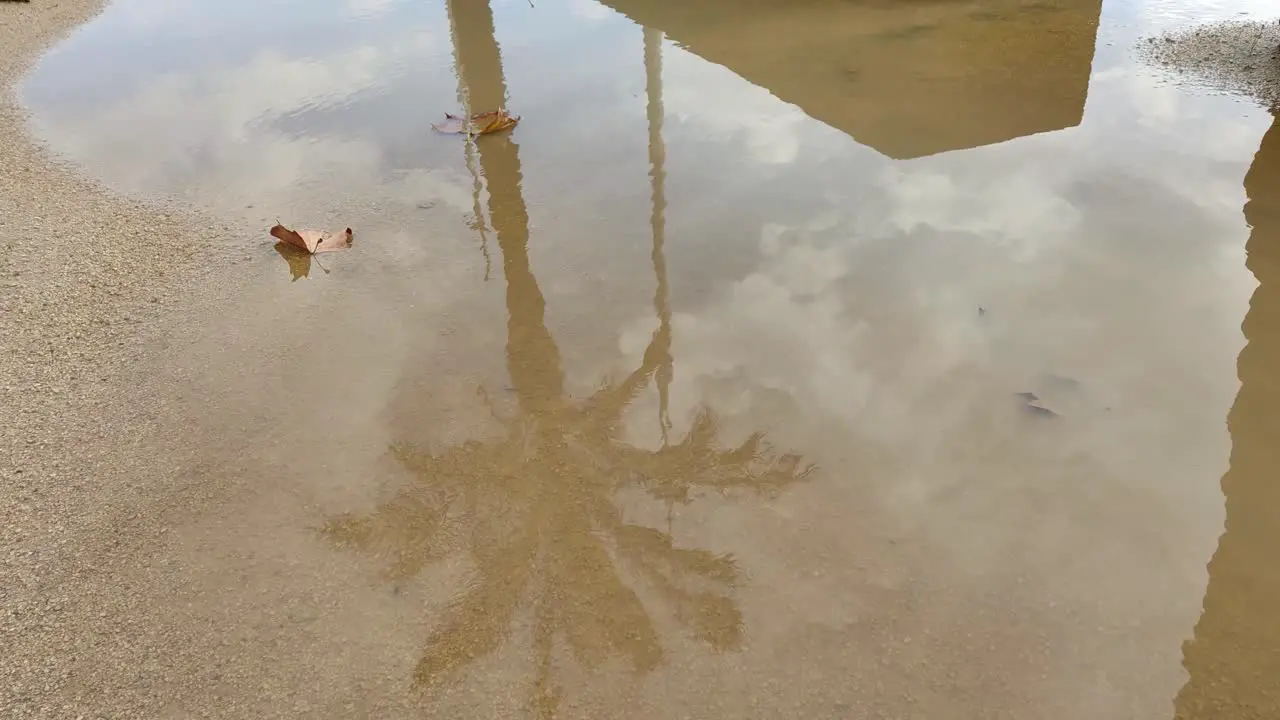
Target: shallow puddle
x,y
787,359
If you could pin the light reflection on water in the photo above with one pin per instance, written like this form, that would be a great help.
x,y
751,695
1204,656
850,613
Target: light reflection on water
x,y
774,229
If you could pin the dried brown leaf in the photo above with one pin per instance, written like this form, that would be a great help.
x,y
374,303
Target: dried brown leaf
x,y
452,125
313,241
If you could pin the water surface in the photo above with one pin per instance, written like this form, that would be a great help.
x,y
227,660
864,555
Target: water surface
x,y
819,359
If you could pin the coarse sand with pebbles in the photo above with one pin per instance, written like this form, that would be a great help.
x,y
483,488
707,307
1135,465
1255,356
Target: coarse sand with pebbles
x,y
1240,57
89,284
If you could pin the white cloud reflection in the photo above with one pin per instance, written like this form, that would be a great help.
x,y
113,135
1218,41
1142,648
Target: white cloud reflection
x,y
217,133
728,107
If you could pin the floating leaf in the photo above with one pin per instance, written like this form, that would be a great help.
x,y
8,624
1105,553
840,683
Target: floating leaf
x,y
313,241
479,124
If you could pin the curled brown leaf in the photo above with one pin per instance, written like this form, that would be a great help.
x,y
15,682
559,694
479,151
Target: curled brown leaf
x,y
313,241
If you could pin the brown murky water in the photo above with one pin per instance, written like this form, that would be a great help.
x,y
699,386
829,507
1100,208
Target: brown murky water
x,y
821,359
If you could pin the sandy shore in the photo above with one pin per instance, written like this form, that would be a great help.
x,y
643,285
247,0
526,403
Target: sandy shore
x,y
1239,57
88,282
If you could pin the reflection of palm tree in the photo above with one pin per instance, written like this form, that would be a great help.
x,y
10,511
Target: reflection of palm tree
x,y
1233,661
536,506
657,218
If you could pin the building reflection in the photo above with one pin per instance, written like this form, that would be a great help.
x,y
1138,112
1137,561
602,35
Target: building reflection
x,y
1233,658
536,507
908,82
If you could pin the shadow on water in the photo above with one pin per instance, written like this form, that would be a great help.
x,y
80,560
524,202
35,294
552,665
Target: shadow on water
x,y
1233,659
299,262
535,507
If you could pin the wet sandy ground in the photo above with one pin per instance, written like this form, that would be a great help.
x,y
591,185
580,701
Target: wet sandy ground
x,y
88,282
299,504
1241,57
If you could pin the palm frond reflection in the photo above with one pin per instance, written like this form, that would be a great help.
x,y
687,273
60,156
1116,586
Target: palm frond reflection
x,y
537,504
537,510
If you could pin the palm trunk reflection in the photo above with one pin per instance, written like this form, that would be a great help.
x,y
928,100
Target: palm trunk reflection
x,y
657,221
536,508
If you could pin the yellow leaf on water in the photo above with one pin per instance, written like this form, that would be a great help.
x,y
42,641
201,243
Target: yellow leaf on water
x,y
479,124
